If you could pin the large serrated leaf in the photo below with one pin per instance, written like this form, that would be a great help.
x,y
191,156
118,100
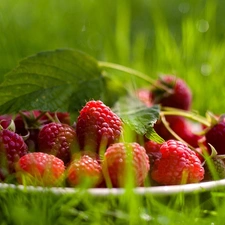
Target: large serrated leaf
x,y
152,135
141,119
138,117
60,80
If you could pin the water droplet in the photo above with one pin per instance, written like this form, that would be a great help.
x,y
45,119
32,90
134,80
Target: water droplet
x,y
202,25
145,216
206,69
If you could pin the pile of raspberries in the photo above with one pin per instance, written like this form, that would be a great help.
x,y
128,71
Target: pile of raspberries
x,y
48,149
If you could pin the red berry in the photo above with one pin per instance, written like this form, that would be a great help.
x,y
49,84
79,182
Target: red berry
x,y
30,122
97,126
57,139
216,136
84,171
144,96
121,157
27,125
181,127
177,165
41,169
25,120
5,120
151,146
180,95
153,150
12,147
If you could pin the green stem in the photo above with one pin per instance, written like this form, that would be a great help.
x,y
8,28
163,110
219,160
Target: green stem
x,y
188,114
39,116
166,124
133,72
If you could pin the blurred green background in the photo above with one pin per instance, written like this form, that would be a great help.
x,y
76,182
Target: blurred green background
x,y
185,38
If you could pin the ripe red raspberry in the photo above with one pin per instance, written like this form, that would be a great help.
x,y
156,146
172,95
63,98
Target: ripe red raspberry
x,y
12,147
180,96
97,126
57,139
181,127
84,171
40,169
122,158
178,165
216,136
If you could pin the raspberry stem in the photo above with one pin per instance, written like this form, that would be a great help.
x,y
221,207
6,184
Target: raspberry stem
x,y
135,73
188,114
166,124
39,116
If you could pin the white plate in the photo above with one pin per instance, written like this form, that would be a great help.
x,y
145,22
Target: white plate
x,y
159,190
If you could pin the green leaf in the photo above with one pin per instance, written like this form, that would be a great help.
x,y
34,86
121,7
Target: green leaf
x,y
152,135
138,117
60,80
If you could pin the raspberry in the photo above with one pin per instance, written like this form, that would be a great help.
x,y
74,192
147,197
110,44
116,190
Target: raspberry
x,y
5,120
180,96
57,139
97,126
27,125
84,171
181,127
178,165
153,150
120,158
151,146
144,96
216,136
40,169
12,147
30,122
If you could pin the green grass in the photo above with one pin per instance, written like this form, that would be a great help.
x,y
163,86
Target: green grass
x,y
18,207
158,36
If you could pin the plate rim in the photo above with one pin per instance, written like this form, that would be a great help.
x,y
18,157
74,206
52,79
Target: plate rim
x,y
154,190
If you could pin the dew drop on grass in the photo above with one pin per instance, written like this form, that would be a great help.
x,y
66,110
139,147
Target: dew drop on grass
x,y
145,217
202,25
206,69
